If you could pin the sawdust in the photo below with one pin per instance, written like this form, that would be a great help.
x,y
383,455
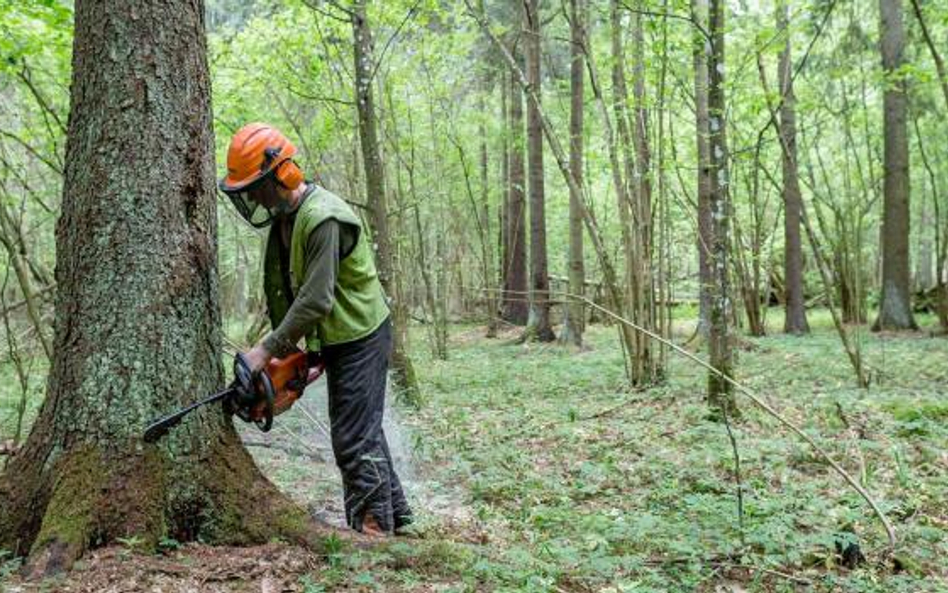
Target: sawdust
x,y
297,457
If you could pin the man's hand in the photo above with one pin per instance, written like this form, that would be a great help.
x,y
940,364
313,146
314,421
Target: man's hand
x,y
257,358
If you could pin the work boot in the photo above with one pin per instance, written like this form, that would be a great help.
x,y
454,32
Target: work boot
x,y
371,527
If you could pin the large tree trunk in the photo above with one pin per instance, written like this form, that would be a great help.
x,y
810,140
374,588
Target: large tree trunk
x,y
377,200
720,393
515,308
575,321
137,319
699,13
794,312
895,310
539,327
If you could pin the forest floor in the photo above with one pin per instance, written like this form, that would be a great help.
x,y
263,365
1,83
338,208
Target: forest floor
x,y
533,468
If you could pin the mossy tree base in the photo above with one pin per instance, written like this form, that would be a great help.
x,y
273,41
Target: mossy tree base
x,y
92,496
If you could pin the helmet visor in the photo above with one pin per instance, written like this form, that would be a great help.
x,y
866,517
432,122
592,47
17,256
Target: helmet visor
x,y
255,213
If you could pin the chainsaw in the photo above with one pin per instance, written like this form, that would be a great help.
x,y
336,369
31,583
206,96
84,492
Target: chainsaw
x,y
254,397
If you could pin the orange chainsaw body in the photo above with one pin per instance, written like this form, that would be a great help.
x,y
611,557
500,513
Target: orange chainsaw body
x,y
290,376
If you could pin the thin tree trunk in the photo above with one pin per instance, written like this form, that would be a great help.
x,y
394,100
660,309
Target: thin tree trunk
x,y
504,210
516,309
490,295
137,327
794,312
647,369
574,326
720,393
539,327
941,256
699,13
895,309
377,200
19,260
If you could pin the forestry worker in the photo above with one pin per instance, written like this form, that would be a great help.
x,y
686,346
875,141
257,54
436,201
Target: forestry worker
x,y
321,285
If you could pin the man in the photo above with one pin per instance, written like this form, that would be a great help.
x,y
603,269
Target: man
x,y
321,284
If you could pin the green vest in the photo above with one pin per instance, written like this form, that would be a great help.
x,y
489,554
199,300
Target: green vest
x,y
359,306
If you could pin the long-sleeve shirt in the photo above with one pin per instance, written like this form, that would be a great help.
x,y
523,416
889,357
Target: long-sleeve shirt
x,y
326,245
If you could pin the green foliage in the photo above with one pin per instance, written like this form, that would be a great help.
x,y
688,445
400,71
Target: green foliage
x,y
168,544
9,564
577,479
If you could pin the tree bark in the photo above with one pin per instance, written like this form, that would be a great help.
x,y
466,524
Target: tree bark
x,y
137,324
720,393
490,296
516,309
699,13
538,327
647,369
574,326
794,311
403,370
895,309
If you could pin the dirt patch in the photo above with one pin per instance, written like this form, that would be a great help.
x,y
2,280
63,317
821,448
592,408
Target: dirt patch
x,y
262,569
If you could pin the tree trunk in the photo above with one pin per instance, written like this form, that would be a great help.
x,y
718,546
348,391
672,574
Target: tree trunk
x,y
895,310
941,255
699,13
516,309
575,320
137,328
647,370
377,200
720,393
794,312
504,210
490,295
539,327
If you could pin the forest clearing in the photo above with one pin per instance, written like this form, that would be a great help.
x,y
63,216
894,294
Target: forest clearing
x,y
484,295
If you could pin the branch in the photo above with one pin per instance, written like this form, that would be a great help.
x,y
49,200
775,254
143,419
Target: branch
x,y
939,63
32,151
378,62
681,17
27,79
315,7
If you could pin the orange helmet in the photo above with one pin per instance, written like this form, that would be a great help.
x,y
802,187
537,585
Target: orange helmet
x,y
256,151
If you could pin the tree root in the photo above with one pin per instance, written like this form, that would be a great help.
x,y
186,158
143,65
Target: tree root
x,y
91,496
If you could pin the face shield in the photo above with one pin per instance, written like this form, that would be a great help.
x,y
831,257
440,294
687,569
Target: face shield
x,y
249,200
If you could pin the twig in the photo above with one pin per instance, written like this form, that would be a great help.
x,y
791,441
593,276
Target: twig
x,y
30,149
314,455
314,420
737,473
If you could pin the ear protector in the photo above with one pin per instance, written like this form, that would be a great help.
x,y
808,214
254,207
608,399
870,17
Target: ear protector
x,y
286,171
288,174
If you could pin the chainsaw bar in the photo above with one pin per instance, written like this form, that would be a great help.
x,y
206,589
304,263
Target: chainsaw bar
x,y
160,427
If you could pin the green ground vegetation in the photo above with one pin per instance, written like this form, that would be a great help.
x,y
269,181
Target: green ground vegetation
x,y
558,478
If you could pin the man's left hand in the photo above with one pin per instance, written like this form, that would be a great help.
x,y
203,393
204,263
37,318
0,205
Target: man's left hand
x,y
257,358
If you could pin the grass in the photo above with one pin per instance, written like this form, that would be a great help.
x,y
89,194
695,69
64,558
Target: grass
x,y
572,482
583,485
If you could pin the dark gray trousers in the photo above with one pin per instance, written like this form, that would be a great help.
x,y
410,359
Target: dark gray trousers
x,y
356,375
